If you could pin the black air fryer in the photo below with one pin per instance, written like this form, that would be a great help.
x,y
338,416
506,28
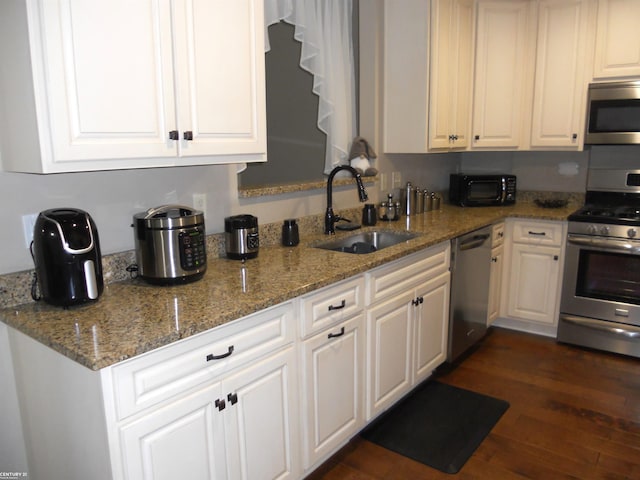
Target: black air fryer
x,y
66,253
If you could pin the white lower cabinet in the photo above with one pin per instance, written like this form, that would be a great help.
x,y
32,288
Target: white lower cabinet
x,y
240,427
495,273
406,332
222,404
182,440
431,323
406,341
388,353
332,374
331,367
532,283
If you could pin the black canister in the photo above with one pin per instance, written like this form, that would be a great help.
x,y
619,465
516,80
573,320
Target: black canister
x,y
290,233
369,214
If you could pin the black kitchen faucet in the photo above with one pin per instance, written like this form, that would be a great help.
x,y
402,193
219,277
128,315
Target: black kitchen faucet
x,y
331,218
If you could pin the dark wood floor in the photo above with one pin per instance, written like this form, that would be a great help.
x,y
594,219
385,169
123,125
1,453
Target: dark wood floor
x,y
574,413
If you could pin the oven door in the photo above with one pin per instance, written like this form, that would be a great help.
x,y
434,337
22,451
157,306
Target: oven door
x,y
600,305
485,191
602,278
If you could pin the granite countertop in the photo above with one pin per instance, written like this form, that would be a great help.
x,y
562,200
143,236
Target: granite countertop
x,y
132,317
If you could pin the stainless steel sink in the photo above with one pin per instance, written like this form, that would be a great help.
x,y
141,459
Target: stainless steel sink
x,y
366,242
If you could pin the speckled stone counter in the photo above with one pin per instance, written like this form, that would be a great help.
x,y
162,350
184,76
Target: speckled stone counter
x,y
132,317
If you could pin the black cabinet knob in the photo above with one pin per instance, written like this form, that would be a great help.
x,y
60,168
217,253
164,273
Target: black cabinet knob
x,y
188,135
173,135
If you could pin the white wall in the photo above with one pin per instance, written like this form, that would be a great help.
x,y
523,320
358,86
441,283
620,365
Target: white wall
x,y
112,198
537,171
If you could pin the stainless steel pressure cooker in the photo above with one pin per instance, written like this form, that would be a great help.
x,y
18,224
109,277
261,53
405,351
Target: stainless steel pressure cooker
x,y
170,244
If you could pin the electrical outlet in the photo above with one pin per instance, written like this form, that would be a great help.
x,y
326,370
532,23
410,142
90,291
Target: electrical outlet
x,y
28,223
200,202
396,180
384,181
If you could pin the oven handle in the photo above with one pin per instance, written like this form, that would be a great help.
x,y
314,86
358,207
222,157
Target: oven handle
x,y
628,331
609,244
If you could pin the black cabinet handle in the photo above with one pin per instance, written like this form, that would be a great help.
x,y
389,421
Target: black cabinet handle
x,y
574,136
211,356
188,135
555,257
417,301
477,137
220,404
233,398
335,335
173,135
342,305
494,259
539,234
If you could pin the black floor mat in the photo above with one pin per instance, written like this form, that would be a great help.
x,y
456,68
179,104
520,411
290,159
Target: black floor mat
x,y
437,424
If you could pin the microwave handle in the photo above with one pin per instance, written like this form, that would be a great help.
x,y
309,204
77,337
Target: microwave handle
x,y
503,195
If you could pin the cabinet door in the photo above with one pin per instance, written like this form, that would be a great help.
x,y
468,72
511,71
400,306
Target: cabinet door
x,y
184,439
502,68
406,76
109,96
431,323
450,73
495,283
332,372
261,420
220,78
389,353
533,289
617,51
560,81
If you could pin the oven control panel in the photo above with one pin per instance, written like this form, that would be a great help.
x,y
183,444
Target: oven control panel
x,y
603,230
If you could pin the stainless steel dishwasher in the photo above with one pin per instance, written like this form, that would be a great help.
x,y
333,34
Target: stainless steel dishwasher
x,y
470,269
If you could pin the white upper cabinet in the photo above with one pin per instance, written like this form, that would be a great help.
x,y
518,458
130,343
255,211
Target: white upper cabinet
x,y
114,84
406,76
560,77
452,24
503,69
617,52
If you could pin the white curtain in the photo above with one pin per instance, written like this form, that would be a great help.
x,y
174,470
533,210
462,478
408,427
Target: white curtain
x,y
324,27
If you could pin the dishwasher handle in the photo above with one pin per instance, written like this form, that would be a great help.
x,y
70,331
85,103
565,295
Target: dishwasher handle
x,y
474,242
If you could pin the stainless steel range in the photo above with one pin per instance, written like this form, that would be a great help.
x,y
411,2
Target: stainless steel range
x,y
600,305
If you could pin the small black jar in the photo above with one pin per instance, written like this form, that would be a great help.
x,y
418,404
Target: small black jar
x,y
290,233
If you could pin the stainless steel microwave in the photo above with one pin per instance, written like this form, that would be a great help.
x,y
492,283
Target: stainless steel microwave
x,y
482,190
613,113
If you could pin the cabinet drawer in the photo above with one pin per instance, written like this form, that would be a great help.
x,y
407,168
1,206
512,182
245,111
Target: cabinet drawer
x,y
329,305
154,377
497,234
538,233
401,275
